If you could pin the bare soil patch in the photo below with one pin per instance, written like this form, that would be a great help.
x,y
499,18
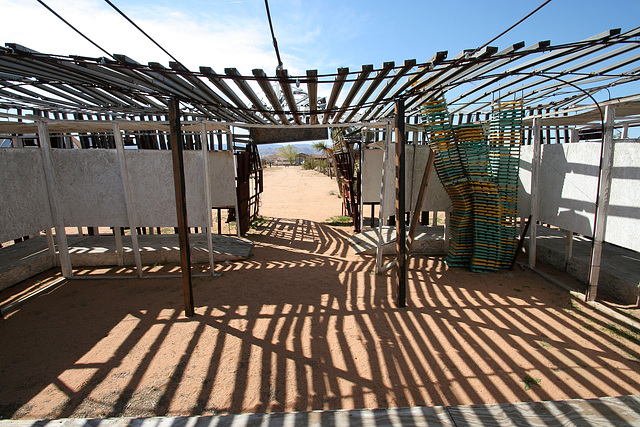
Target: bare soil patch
x,y
305,324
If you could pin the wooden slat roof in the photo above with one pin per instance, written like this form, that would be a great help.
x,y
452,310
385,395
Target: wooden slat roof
x,y
543,75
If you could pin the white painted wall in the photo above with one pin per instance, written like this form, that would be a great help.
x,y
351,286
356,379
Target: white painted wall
x,y
92,192
415,160
24,203
568,187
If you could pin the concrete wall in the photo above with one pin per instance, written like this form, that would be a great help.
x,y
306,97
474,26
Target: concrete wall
x,y
568,188
92,193
415,160
24,204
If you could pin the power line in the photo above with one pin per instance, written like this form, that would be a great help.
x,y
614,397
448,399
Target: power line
x,y
140,29
273,35
74,28
513,26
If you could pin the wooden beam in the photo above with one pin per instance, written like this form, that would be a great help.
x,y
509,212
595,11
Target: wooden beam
x,y
283,79
265,85
602,202
387,145
401,244
250,94
55,202
207,196
535,181
335,91
181,204
132,217
422,191
386,68
355,88
312,86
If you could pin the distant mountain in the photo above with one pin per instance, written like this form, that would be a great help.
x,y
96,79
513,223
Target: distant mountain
x,y
267,149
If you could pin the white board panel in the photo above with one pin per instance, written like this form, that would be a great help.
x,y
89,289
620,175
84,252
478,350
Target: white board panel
x,y
436,198
24,203
568,185
222,177
623,219
152,187
524,184
90,187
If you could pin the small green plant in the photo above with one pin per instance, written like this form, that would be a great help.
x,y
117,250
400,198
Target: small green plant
x,y
529,381
339,220
544,344
517,290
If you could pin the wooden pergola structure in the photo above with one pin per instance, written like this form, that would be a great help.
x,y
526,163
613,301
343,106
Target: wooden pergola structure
x,y
47,94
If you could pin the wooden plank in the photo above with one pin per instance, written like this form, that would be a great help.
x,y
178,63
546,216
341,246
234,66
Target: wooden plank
x,y
51,246
602,202
285,85
250,94
266,87
335,91
353,91
132,215
535,189
54,199
401,244
373,85
181,204
312,86
287,134
422,191
207,196
387,143
401,72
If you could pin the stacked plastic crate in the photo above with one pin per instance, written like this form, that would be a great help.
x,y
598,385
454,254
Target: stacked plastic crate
x,y
505,138
450,170
480,175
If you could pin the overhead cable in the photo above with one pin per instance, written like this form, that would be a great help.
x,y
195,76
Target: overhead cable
x,y
74,28
140,29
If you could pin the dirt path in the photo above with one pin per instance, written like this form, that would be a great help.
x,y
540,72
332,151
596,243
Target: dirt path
x,y
304,324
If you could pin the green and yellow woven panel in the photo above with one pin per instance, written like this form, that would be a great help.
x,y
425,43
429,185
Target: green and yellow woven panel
x,y
480,175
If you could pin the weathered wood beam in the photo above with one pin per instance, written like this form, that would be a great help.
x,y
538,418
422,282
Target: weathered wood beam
x,y
312,86
602,202
355,88
401,243
373,85
335,91
181,204
250,94
283,79
400,72
266,87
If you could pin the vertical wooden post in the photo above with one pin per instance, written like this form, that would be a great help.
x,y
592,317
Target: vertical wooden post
x,y
175,134
132,217
401,244
207,195
387,144
360,199
535,181
602,202
54,200
422,191
117,234
52,246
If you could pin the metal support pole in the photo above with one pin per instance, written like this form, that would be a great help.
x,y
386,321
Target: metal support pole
x,y
387,144
181,204
401,244
602,202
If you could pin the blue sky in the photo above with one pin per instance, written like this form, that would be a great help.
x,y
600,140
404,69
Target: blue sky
x,y
311,34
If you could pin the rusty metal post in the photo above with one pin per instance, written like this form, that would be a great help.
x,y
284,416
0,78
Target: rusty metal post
x,y
401,243
181,204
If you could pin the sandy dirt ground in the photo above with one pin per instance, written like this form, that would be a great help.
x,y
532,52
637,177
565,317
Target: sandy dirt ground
x,y
305,324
